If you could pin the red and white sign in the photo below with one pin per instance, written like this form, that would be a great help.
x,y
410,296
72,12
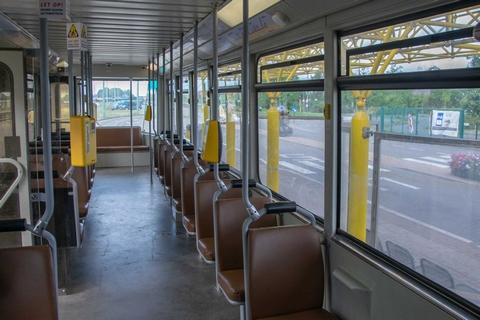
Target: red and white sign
x,y
57,10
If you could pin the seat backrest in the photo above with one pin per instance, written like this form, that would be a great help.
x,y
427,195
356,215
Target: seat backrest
x,y
80,175
168,165
118,136
400,254
205,188
176,172
230,213
436,273
60,165
188,194
27,282
285,270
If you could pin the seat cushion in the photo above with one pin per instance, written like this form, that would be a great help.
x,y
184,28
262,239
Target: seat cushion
x,y
207,248
189,223
232,284
315,314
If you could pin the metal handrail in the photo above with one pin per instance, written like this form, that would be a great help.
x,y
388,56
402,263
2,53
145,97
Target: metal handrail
x,y
68,176
15,183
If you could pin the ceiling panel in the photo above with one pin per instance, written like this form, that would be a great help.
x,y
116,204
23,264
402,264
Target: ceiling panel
x,y
119,31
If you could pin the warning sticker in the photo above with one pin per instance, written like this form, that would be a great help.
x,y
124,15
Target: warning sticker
x,y
77,36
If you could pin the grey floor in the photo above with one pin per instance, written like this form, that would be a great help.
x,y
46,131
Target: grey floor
x,y
136,262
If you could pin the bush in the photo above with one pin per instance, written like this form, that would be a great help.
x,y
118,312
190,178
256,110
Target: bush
x,y
466,165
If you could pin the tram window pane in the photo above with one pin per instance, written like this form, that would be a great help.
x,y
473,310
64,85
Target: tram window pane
x,y
296,169
112,98
139,102
310,70
60,103
462,52
202,105
427,204
230,116
230,75
8,174
186,110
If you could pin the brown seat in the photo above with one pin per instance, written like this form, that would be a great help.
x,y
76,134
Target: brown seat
x,y
206,247
230,213
168,169
287,282
305,315
231,282
177,164
188,195
27,282
80,175
119,139
205,188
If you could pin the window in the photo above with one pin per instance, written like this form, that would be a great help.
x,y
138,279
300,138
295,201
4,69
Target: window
x,y
304,63
186,109
410,154
230,112
291,126
60,106
203,109
112,98
11,208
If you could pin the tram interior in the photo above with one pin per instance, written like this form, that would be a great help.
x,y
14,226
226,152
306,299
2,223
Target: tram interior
x,y
239,159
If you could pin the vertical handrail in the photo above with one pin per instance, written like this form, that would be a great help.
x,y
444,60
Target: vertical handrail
x,y
221,185
180,102
159,107
71,84
132,160
82,79
194,95
46,129
172,135
165,97
150,120
245,112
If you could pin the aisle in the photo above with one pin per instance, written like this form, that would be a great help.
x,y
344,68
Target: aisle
x,y
133,263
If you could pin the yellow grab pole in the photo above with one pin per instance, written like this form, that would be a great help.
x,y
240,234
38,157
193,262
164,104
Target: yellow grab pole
x,y
358,171
273,145
230,128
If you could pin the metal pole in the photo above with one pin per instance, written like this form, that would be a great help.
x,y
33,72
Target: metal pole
x,y
195,100
71,84
150,122
245,112
164,97
131,127
90,84
180,101
220,183
172,135
46,129
152,78
159,113
82,79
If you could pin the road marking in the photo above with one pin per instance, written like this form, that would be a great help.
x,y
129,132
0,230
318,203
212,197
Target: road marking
x,y
406,185
446,157
295,167
381,188
263,161
426,225
292,155
445,161
312,164
381,169
427,163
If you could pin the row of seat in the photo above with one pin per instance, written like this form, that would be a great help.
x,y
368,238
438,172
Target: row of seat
x,y
284,263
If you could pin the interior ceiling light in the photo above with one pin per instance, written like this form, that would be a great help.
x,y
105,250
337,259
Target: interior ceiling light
x,y
231,13
62,64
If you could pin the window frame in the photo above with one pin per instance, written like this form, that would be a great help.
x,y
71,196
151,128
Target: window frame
x,y
286,86
465,78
